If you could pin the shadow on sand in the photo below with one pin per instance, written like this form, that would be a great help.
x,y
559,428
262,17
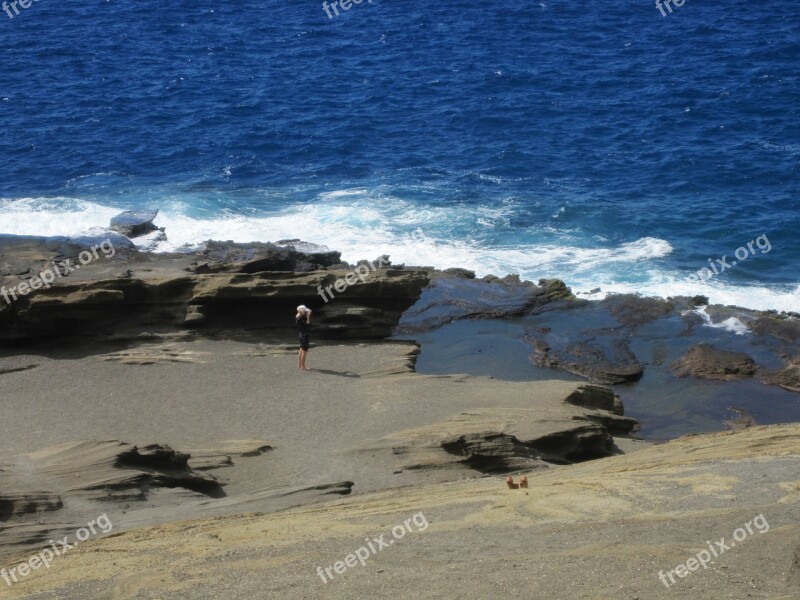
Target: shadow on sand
x,y
339,373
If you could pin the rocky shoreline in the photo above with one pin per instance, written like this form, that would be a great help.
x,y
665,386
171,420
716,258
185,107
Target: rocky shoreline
x,y
214,325
640,346
226,286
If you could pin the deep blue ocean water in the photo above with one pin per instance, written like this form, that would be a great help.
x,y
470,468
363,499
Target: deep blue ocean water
x,y
598,142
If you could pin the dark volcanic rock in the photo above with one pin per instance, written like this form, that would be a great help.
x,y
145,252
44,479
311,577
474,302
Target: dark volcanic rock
x,y
134,223
256,257
633,310
788,378
609,364
458,272
23,257
708,362
596,396
785,329
449,298
492,452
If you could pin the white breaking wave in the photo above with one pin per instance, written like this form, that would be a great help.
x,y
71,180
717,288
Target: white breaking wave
x,y
364,226
731,324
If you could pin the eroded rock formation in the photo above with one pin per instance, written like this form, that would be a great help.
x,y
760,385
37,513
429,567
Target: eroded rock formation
x,y
707,362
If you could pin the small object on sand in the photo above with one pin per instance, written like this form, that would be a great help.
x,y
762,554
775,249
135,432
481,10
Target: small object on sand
x,y
511,484
523,481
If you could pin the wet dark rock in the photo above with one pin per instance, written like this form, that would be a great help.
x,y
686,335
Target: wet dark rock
x,y
255,257
632,310
692,320
788,377
450,298
785,329
708,362
607,363
743,419
718,313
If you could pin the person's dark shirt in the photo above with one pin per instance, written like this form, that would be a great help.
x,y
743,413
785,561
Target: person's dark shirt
x,y
302,325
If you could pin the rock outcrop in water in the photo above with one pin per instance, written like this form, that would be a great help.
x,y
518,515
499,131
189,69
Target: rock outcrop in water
x,y
788,377
610,364
134,224
454,295
614,341
708,362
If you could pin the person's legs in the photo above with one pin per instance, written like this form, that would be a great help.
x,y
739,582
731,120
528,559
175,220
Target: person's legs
x,y
303,360
300,358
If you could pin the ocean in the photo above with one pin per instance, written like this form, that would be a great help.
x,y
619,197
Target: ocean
x,y
602,143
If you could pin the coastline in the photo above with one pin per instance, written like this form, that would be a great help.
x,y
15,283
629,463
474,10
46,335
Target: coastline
x,y
734,360
196,408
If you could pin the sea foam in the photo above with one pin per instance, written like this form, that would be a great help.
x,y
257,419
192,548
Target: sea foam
x,y
442,237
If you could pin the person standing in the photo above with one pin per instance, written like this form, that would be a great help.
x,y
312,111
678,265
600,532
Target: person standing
x,y
303,321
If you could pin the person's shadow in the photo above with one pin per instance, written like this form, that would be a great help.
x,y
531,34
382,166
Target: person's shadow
x,y
339,373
